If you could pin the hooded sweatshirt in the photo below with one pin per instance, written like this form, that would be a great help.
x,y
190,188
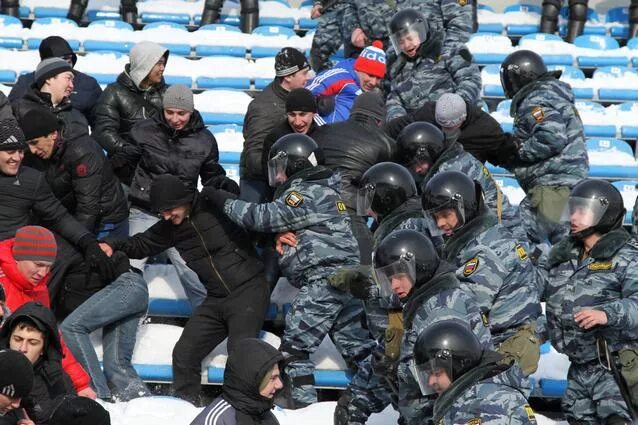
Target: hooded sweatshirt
x,y
240,402
142,58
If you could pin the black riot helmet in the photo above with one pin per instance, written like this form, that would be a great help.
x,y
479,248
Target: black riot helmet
x,y
408,23
519,69
291,154
449,345
452,190
383,188
596,204
405,252
419,141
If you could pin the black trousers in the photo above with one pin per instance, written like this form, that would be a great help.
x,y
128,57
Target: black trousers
x,y
237,316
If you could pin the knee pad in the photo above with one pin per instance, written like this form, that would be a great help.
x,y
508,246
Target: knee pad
x,y
554,3
578,10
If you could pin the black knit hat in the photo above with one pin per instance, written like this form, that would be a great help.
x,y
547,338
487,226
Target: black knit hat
x,y
39,122
50,68
288,61
75,410
56,47
11,136
370,104
168,191
301,100
16,374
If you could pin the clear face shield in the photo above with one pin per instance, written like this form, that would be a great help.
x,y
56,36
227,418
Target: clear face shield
x,y
583,213
433,376
277,169
445,219
365,196
408,39
397,278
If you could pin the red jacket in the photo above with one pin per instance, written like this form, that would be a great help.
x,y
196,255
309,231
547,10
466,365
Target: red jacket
x,y
20,291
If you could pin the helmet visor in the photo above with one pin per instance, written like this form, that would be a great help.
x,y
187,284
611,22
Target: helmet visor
x,y
433,376
407,39
365,196
277,169
447,216
396,278
583,213
506,82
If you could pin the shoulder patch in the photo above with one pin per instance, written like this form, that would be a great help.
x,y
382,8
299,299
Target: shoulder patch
x,y
461,2
294,199
538,114
486,172
520,251
471,266
81,170
341,206
600,265
474,421
530,412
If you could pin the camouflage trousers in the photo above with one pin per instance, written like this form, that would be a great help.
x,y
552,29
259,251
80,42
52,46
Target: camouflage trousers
x,y
592,395
539,230
329,36
372,391
319,310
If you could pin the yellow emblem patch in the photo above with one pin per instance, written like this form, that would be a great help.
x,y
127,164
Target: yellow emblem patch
x,y
475,421
601,265
538,114
486,172
530,412
461,2
341,206
294,199
520,251
470,267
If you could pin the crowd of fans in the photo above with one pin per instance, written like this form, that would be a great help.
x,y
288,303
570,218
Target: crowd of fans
x,y
435,307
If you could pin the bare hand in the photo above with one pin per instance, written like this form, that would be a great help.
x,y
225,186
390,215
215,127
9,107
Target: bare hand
x,y
25,422
106,248
589,318
285,238
316,11
359,38
88,391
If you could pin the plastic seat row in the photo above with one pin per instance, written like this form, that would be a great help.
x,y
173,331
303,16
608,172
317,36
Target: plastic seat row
x,y
522,19
272,12
588,51
118,36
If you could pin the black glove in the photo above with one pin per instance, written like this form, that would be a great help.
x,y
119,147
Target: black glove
x,y
383,365
357,281
216,197
325,105
96,258
225,183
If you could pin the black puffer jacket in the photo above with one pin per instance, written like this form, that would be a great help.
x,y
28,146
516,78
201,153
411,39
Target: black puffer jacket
x,y
264,113
51,383
188,154
75,124
352,147
121,106
215,248
86,92
481,135
28,196
82,179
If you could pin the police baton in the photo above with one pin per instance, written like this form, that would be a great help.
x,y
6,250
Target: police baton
x,y
607,361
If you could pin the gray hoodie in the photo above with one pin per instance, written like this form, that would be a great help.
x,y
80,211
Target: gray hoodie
x,y
142,58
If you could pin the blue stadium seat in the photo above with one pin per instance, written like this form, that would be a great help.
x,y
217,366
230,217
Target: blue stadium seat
x,y
492,90
549,58
593,25
611,159
181,49
9,42
50,12
493,27
628,191
242,83
623,91
629,129
34,43
497,42
269,31
522,29
598,110
602,43
217,49
283,21
92,45
618,15
96,15
633,46
571,73
178,18
8,76
212,118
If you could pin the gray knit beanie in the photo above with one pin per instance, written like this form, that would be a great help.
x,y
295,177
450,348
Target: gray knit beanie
x,y
50,68
450,110
178,96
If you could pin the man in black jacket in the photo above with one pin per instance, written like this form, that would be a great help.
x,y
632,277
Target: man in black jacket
x,y
221,254
174,142
135,95
353,146
53,85
86,88
479,133
25,196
